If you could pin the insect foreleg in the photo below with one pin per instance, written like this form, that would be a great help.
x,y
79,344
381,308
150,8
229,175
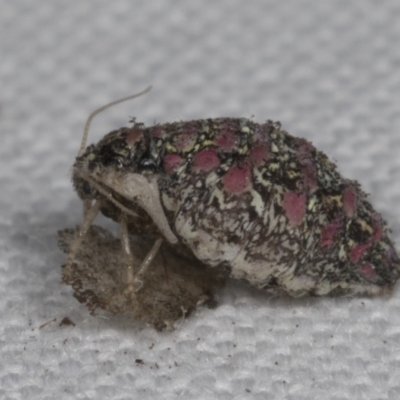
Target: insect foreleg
x,y
129,259
150,257
132,278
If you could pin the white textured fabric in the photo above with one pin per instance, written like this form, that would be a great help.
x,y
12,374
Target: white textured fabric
x,y
328,70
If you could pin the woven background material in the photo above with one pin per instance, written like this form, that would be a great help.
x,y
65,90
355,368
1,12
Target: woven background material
x,y
328,70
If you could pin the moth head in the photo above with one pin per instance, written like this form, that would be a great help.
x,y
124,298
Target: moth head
x,y
125,150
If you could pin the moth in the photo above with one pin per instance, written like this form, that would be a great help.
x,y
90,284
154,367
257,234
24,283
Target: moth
x,y
247,198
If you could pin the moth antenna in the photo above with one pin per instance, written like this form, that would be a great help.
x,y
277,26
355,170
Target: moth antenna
x,y
99,110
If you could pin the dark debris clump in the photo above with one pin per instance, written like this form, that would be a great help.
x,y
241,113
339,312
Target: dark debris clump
x,y
173,286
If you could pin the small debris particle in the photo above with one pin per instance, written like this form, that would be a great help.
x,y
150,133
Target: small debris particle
x,y
66,321
47,323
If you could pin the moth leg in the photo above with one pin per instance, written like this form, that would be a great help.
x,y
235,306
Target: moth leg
x,y
133,280
87,205
89,217
146,262
129,260
150,257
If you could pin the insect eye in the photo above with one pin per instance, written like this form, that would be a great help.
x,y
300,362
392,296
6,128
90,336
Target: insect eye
x,y
147,164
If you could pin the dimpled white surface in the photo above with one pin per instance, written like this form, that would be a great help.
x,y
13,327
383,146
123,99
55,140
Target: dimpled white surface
x,y
328,70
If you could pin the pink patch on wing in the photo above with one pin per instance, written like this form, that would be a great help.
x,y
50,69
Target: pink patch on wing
x,y
329,233
185,141
295,207
349,201
391,257
226,140
309,175
206,160
187,138
305,148
189,127
237,179
133,136
157,131
378,230
358,251
305,152
172,162
368,272
259,154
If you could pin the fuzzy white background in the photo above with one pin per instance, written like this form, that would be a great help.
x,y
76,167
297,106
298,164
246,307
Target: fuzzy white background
x,y
328,70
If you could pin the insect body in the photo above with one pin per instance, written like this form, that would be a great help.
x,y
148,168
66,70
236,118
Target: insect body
x,y
247,197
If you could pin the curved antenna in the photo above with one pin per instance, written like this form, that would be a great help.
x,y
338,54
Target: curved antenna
x,y
99,110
